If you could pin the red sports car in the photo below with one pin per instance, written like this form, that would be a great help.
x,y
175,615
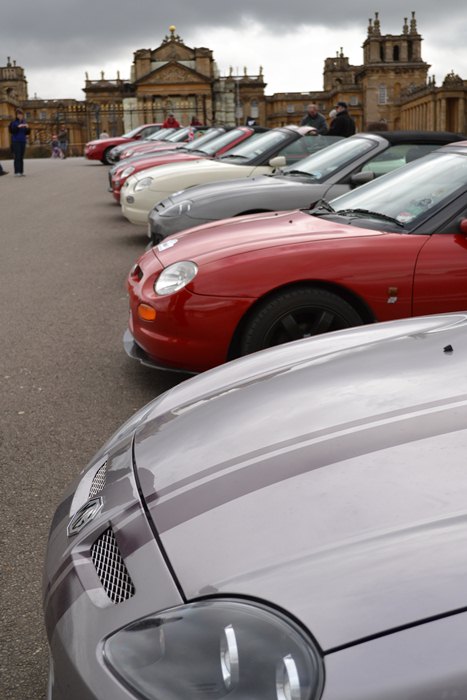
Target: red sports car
x,y
393,248
99,148
204,147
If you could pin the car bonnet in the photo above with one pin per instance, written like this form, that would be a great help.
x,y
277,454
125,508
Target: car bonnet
x,y
326,477
242,187
216,240
193,167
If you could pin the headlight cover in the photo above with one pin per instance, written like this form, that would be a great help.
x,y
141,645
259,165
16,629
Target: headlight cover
x,y
128,171
177,209
213,649
175,277
143,184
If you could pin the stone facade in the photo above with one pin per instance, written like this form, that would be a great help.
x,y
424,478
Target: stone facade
x,y
391,89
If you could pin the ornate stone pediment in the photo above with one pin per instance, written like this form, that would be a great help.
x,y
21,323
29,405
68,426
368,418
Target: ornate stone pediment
x,y
173,73
173,52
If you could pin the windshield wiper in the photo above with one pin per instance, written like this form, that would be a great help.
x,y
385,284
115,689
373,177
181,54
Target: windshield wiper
x,y
372,214
227,156
324,205
298,172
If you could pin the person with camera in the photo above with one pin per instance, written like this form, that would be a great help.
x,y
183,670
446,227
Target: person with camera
x,y
19,131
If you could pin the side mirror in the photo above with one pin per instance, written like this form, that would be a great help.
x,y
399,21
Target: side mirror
x,y
361,178
463,226
278,162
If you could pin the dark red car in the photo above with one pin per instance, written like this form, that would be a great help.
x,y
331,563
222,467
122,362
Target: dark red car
x,y
100,148
203,147
393,248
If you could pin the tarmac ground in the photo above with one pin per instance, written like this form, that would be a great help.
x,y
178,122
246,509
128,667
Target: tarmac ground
x,y
66,383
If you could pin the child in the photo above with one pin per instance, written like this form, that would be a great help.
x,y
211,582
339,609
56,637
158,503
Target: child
x,y
56,150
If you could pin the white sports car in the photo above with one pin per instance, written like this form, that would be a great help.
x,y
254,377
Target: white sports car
x,y
260,154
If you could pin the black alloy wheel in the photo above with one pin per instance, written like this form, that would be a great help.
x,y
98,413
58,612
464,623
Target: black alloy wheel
x,y
296,313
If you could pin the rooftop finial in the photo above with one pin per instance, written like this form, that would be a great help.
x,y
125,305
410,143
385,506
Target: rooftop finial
x,y
413,24
376,26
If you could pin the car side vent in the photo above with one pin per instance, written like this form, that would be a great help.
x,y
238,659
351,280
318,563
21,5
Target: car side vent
x,y
98,482
111,568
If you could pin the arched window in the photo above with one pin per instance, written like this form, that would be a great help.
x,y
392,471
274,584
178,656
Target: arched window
x,y
395,53
254,109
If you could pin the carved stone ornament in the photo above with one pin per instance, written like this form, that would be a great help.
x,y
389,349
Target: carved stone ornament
x,y
174,74
453,80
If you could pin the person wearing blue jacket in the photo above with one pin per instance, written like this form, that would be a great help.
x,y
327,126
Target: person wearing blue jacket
x,y
19,131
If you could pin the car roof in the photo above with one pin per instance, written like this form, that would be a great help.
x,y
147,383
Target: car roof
x,y
415,136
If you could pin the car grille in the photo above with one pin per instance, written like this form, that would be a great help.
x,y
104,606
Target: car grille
x,y
98,482
111,568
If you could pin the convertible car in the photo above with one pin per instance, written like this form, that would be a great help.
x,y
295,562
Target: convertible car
x,y
99,149
329,173
290,526
392,248
260,154
212,144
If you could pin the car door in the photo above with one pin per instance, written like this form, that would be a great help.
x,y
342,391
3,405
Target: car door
x,y
440,282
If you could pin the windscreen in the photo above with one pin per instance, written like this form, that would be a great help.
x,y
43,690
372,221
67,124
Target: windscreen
x,y
411,193
325,162
256,146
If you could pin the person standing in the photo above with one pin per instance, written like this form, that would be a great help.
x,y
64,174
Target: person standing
x,y
19,131
315,119
63,141
342,124
171,122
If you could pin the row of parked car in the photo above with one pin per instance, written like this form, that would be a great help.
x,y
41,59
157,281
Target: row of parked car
x,y
263,236
289,525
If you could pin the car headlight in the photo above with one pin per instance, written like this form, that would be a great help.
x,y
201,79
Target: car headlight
x,y
177,209
213,648
175,277
143,183
128,171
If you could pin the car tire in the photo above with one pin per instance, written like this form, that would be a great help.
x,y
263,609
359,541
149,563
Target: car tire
x,y
296,313
105,160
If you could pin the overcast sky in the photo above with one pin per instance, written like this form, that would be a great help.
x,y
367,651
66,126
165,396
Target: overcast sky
x,y
57,42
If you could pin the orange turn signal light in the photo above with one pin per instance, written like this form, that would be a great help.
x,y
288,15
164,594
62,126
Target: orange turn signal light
x,y
146,312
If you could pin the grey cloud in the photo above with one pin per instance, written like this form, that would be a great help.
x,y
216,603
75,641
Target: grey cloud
x,y
72,32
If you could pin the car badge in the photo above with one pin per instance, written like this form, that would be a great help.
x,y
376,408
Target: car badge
x,y
167,244
84,515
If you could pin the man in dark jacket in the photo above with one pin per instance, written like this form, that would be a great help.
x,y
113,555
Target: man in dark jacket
x,y
19,131
315,119
343,124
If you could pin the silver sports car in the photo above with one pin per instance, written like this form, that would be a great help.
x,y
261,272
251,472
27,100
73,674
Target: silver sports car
x,y
290,526
334,168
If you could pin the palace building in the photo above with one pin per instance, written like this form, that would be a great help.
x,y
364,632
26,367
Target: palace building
x,y
391,89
